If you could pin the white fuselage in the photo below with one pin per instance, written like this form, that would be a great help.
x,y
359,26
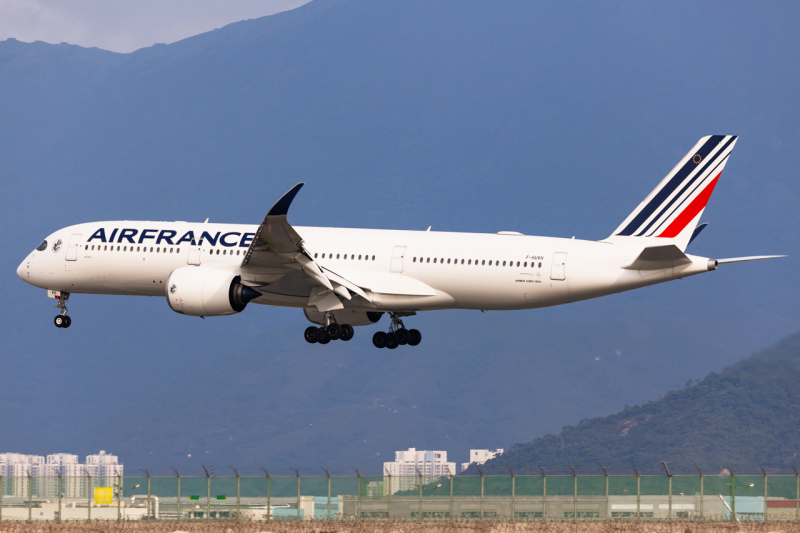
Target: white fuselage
x,y
458,270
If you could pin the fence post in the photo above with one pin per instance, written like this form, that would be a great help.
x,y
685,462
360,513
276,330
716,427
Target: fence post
x,y
544,492
574,494
3,489
481,473
238,494
669,501
702,496
208,493
513,495
638,494
605,474
178,511
298,492
452,506
89,494
389,475
60,489
269,508
358,497
764,472
118,491
30,495
329,492
419,477
733,495
796,501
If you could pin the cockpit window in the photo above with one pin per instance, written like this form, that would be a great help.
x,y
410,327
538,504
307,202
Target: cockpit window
x,y
42,247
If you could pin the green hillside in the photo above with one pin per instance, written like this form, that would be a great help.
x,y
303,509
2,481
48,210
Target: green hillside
x,y
745,415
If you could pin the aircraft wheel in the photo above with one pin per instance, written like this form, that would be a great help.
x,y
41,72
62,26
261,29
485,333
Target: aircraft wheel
x,y
347,332
69,321
402,336
334,331
379,339
322,335
311,334
415,337
326,340
391,341
59,321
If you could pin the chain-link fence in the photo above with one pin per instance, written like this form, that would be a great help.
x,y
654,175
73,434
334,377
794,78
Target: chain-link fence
x,y
510,498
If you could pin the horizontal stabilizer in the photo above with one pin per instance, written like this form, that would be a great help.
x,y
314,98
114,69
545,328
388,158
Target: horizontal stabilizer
x,y
659,257
743,259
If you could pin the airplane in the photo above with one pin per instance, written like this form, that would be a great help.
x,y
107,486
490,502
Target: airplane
x,y
343,278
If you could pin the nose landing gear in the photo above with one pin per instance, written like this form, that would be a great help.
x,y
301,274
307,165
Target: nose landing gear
x,y
398,335
62,320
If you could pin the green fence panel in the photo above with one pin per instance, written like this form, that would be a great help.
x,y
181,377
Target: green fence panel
x,y
497,486
655,485
467,486
592,486
529,485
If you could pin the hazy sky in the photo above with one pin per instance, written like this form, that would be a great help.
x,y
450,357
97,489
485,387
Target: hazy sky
x,y
126,25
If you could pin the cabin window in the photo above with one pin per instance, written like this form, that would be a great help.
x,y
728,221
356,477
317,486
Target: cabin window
x,y
151,248
124,248
352,256
434,259
540,265
373,258
490,262
217,251
237,252
359,257
118,248
224,252
469,262
87,246
337,256
345,257
448,261
178,250
414,260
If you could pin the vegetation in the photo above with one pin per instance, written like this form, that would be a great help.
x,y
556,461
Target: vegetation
x,y
749,414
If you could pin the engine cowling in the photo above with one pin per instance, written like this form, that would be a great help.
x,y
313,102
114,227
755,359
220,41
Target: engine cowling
x,y
344,316
204,291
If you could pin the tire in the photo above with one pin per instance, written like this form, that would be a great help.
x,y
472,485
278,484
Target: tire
x,y
326,340
402,336
311,334
59,321
379,339
334,331
415,337
391,341
347,332
69,321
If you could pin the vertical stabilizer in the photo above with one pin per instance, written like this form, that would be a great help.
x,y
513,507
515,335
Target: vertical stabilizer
x,y
673,209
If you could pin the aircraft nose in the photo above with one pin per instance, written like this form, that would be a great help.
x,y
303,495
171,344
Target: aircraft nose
x,y
21,269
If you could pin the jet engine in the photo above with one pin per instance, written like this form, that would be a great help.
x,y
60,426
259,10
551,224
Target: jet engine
x,y
203,291
344,316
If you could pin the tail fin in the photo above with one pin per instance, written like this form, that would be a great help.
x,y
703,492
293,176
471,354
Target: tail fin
x,y
674,208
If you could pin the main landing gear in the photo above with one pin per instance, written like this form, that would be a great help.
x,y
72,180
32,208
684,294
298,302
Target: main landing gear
x,y
397,335
62,320
331,331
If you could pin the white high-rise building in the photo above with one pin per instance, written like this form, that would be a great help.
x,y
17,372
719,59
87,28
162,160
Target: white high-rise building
x,y
411,465
478,457
22,473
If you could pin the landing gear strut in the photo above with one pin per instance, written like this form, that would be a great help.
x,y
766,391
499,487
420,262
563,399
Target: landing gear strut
x,y
330,331
398,335
62,320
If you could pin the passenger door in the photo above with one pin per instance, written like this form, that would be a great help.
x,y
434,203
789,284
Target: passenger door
x,y
397,259
72,247
194,256
558,270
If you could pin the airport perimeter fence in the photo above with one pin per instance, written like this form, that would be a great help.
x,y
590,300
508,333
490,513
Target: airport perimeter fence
x,y
484,498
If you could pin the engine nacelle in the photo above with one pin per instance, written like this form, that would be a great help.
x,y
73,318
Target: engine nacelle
x,y
203,291
344,316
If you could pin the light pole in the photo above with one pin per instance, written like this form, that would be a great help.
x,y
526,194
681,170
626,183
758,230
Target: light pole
x,y
118,488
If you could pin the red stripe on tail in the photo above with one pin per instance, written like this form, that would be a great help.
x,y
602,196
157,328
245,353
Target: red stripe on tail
x,y
688,214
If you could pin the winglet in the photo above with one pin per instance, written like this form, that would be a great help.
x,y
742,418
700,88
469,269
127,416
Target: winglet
x,y
281,207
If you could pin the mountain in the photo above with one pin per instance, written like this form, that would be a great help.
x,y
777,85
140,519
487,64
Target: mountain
x,y
746,415
471,116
